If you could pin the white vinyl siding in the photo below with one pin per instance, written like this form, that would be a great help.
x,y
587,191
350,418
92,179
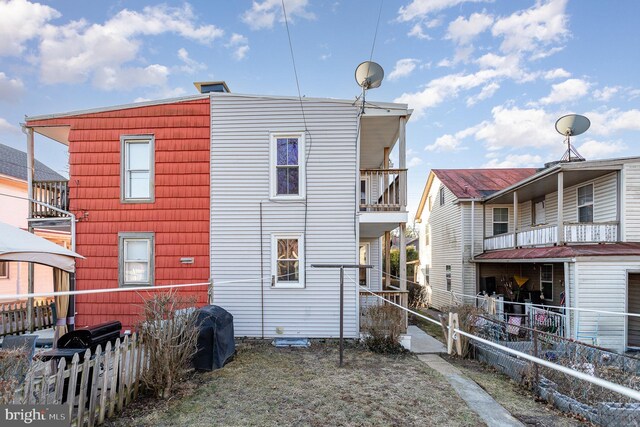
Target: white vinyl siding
x,y
240,150
631,191
469,268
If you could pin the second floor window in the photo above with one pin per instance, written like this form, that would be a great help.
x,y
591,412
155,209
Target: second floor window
x,y
500,221
136,159
441,196
287,166
585,203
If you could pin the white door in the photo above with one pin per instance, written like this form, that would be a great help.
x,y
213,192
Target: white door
x,y
364,260
539,216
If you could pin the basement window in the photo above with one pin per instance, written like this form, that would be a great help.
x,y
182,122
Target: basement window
x,y
137,168
585,203
287,166
288,265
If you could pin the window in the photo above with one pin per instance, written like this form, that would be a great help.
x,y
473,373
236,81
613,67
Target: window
x,y
287,166
136,263
500,221
364,193
538,211
441,196
585,203
137,168
4,270
364,260
288,265
426,274
546,281
447,276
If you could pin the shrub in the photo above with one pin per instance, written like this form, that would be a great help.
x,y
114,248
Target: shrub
x,y
170,334
382,326
14,364
418,297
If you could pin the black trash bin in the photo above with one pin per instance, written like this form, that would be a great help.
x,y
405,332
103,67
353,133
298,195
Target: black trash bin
x,y
216,345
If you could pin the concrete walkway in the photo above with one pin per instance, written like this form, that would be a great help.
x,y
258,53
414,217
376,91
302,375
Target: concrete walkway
x,y
427,348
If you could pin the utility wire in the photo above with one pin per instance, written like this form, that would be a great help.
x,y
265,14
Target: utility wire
x,y
375,34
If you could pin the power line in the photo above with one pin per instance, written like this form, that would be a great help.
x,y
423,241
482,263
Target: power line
x,y
375,34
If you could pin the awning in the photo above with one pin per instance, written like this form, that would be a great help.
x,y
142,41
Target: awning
x,y
20,245
561,252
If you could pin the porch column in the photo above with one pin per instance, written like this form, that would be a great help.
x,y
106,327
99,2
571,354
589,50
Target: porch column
x,y
30,177
403,263
402,161
515,218
560,207
387,259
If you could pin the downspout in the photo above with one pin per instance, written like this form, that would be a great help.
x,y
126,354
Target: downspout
x,y
567,300
473,247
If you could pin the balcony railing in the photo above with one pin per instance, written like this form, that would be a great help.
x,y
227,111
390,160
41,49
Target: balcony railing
x,y
603,232
369,300
393,186
53,193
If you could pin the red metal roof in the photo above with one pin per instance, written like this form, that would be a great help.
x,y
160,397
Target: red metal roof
x,y
609,249
474,183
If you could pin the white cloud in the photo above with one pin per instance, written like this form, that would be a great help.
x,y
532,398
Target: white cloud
x,y
21,21
556,73
419,9
240,46
462,30
10,89
592,149
606,93
613,120
190,65
414,161
444,143
6,127
515,161
567,91
533,29
417,32
487,92
79,51
263,14
403,68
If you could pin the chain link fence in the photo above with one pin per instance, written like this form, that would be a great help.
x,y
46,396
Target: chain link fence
x,y
588,401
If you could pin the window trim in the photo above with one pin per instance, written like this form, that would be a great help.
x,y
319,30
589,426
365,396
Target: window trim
x,y
122,236
546,281
6,267
441,196
494,222
123,168
592,204
275,284
273,179
367,184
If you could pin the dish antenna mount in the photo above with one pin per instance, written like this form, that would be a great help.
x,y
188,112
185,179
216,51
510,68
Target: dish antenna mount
x,y
369,75
571,125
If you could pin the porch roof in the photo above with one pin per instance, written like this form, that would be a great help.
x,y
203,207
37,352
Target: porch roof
x,y
561,252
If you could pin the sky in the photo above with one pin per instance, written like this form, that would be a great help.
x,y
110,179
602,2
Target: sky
x,y
486,79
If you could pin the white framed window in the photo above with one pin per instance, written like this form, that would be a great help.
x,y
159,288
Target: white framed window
x,y
441,196
363,273
287,260
137,168
546,281
287,166
585,203
447,276
4,270
365,192
136,259
500,221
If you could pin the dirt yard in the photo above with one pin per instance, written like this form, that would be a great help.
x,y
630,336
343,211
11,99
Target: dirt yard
x,y
265,386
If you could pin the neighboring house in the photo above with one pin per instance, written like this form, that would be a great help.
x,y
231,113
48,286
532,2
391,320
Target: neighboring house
x,y
572,229
248,191
15,208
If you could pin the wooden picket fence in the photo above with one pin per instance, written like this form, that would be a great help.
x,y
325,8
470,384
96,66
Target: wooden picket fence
x,y
14,319
94,389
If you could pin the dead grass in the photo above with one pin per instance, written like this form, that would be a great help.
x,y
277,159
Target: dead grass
x,y
267,386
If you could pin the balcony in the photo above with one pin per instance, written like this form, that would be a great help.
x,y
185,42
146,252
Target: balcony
x,y
383,201
603,232
54,194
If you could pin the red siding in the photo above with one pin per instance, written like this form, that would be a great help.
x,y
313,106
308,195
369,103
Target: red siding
x,y
179,217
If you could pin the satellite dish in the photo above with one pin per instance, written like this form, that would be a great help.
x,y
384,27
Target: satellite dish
x,y
369,75
571,125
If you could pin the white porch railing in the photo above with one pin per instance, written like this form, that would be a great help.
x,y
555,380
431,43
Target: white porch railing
x,y
544,235
392,182
606,232
501,241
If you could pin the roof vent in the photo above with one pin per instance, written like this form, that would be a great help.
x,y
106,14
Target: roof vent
x,y
206,87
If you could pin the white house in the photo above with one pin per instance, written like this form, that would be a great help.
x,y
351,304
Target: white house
x,y
573,230
297,183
